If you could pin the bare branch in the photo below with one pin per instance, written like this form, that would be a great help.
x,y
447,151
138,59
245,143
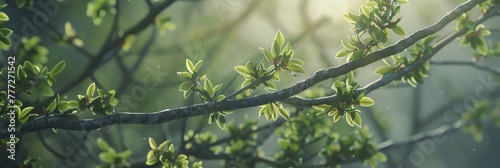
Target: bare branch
x,y
468,63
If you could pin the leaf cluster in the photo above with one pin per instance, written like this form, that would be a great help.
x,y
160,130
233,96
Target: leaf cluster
x,y
346,103
419,50
110,157
371,27
165,154
97,9
357,145
207,92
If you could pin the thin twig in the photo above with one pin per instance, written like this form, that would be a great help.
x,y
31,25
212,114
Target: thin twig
x,y
468,63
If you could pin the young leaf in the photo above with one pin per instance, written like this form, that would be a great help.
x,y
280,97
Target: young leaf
x,y
151,159
5,32
221,121
58,68
357,119
399,30
102,144
152,143
481,46
45,89
295,68
342,53
267,54
198,65
189,66
52,106
209,87
366,102
383,70
284,114
3,17
349,119
107,157
242,70
91,90
280,38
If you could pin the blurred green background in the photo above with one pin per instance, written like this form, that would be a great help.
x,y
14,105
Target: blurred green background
x,y
226,33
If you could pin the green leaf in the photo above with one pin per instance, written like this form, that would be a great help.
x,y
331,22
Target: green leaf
x,y
189,66
270,85
197,164
284,114
198,65
21,74
380,157
152,143
295,68
464,41
29,67
342,53
288,50
399,30
351,18
402,1
267,54
3,17
5,32
336,118
186,75
58,68
274,112
366,102
181,157
51,80
185,86
107,157
481,46
482,32
357,119
125,154
25,112
151,159
5,41
91,90
209,87
52,106
242,70
349,119
21,3
383,70
45,89
246,82
264,108
221,121
365,10
350,78
280,38
249,67
296,62
102,144
73,104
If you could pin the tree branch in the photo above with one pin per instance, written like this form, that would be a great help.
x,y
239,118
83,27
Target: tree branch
x,y
468,63
445,129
